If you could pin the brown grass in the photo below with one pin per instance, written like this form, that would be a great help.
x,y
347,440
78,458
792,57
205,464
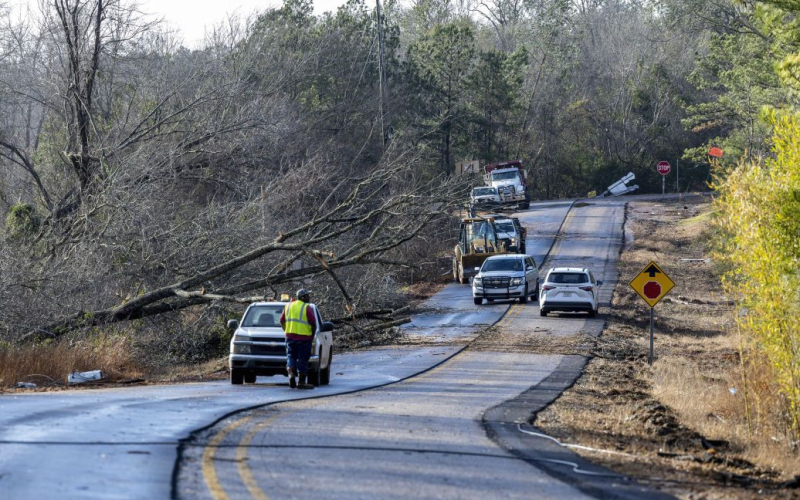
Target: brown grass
x,y
49,363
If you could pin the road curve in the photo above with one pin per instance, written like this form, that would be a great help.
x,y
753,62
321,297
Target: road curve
x,y
420,438
123,443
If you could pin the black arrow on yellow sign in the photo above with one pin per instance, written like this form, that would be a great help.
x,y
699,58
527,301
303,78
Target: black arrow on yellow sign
x,y
652,271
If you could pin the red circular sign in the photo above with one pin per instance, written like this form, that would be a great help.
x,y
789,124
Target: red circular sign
x,y
652,290
663,167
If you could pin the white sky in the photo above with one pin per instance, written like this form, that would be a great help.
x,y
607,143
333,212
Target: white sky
x,y
192,17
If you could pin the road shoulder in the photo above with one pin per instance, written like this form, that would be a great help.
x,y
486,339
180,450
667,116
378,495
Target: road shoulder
x,y
671,426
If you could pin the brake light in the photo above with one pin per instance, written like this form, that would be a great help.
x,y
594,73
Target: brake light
x,y
547,287
587,288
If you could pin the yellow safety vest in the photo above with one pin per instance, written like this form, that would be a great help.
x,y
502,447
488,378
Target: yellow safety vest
x,y
296,316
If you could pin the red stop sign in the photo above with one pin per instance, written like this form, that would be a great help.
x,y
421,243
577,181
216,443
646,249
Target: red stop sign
x,y
652,290
663,167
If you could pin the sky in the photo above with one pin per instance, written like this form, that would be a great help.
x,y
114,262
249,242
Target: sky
x,y
192,17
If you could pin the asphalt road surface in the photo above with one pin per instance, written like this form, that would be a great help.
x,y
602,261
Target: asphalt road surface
x,y
417,437
422,437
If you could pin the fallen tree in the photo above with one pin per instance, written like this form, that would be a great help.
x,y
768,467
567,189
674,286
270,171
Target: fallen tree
x,y
383,210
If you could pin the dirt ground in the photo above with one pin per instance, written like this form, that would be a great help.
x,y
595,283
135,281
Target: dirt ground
x,y
677,425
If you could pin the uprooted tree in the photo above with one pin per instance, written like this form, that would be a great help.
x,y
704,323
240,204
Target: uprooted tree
x,y
362,221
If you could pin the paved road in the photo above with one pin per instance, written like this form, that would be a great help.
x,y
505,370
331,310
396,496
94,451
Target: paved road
x,y
452,312
420,438
122,443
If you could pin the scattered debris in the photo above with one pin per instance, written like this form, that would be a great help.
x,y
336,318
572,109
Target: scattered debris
x,y
83,377
129,381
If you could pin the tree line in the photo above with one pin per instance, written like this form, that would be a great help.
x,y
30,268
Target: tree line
x,y
140,178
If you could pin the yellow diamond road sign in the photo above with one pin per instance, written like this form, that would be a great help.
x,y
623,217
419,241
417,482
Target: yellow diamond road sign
x,y
652,284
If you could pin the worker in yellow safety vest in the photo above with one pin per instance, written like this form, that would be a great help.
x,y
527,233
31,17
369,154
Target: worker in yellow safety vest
x,y
299,322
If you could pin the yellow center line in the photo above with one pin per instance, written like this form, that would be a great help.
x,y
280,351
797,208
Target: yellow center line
x,y
209,471
241,458
513,316
505,319
557,245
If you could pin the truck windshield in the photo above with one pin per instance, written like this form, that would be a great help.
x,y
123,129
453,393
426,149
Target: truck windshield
x,y
502,265
505,227
263,316
484,191
505,176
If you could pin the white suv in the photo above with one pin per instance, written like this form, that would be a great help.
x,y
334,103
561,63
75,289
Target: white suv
x,y
258,346
506,276
569,289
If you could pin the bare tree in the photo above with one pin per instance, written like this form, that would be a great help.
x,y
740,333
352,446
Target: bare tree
x,y
383,210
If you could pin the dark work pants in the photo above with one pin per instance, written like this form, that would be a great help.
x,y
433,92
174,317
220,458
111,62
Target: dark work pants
x,y
297,354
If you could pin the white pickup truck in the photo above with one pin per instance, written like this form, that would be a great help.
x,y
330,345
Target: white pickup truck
x,y
258,346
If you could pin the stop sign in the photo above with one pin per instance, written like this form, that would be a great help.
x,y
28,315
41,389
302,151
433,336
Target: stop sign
x,y
652,290
663,167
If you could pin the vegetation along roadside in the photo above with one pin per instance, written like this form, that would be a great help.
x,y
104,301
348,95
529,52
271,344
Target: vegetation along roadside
x,y
704,421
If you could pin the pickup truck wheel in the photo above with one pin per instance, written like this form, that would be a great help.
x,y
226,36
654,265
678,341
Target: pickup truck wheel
x,y
461,278
592,313
455,270
249,378
237,376
315,377
325,376
542,312
523,299
536,293
477,301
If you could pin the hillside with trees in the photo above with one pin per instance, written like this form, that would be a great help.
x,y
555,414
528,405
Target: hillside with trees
x,y
147,188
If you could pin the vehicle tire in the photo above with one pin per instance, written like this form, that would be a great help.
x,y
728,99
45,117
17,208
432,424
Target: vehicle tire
x,y
455,269
592,313
523,299
325,376
542,312
461,278
237,376
536,293
522,249
249,378
315,377
477,301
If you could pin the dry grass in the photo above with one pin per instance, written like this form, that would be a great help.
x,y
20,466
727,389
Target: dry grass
x,y
210,370
667,415
49,363
704,401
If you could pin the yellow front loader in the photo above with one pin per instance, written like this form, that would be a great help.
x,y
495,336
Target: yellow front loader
x,y
477,241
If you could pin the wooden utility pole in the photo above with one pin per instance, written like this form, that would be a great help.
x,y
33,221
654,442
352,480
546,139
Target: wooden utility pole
x,y
382,77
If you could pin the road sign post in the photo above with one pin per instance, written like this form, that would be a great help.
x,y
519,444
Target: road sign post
x,y
652,284
663,168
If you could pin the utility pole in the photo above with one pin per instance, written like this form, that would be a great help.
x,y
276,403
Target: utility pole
x,y
382,77
677,175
